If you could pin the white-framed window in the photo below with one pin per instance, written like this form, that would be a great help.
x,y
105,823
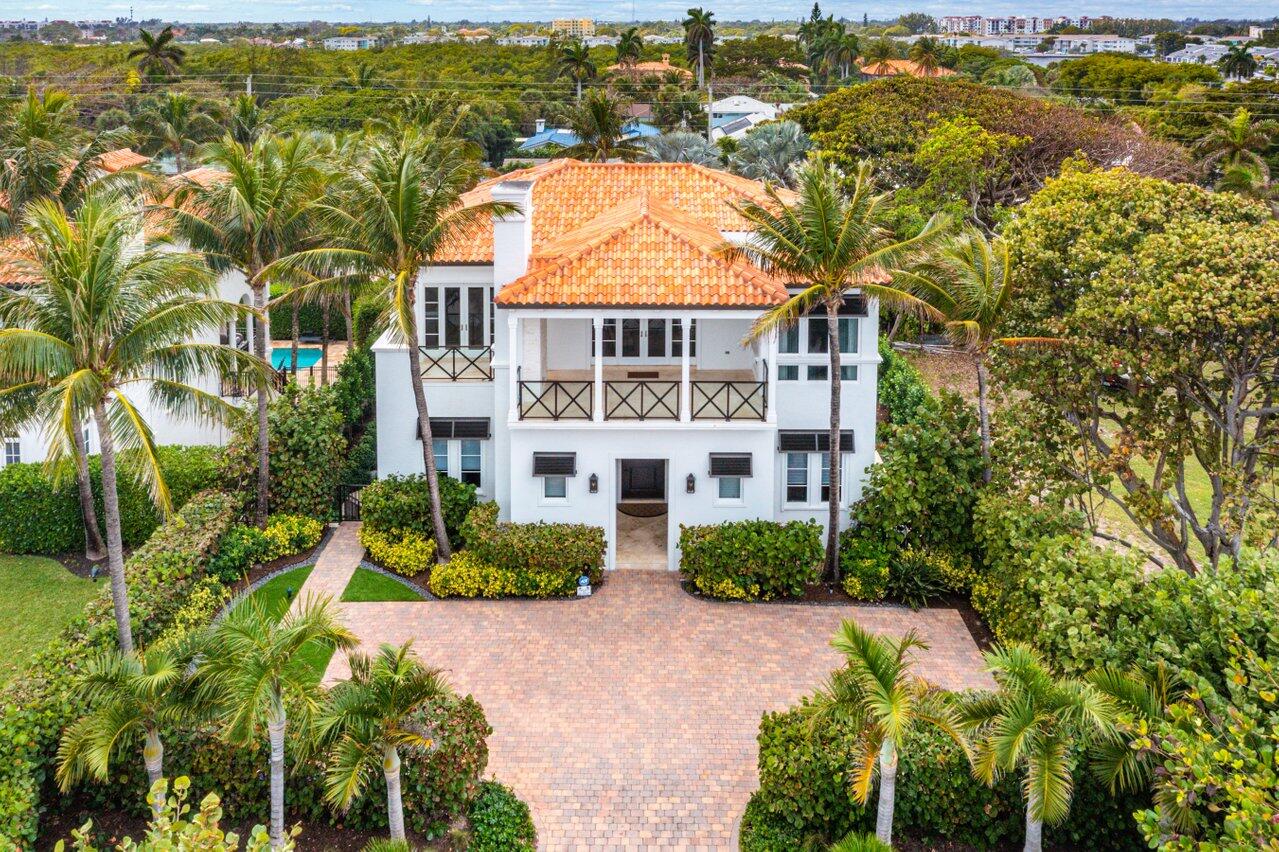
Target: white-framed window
x,y
808,478
797,477
817,372
824,460
555,487
631,339
803,349
440,448
12,451
471,459
730,487
848,373
787,372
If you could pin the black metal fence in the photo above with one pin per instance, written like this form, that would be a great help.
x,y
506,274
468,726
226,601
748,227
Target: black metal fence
x,y
348,502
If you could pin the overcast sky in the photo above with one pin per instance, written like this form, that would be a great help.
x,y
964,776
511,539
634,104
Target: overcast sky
x,y
603,10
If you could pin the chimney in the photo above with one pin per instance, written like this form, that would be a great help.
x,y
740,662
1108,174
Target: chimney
x,y
513,233
540,125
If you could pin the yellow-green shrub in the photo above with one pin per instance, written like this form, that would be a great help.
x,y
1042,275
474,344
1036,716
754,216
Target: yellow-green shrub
x,y
287,535
466,575
402,551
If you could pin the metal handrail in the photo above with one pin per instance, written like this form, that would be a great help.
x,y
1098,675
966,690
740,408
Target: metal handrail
x,y
457,363
554,400
641,400
714,400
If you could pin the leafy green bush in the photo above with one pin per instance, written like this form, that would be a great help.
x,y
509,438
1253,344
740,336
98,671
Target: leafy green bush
x,y
539,548
40,518
353,391
239,550
751,560
404,503
917,575
864,563
310,319
466,575
405,552
307,451
923,491
762,831
365,316
361,461
162,573
287,535
901,391
499,821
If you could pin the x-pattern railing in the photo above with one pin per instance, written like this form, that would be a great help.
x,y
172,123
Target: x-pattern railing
x,y
729,400
555,400
641,400
455,363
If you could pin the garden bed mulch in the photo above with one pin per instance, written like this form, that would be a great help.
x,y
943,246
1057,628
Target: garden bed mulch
x,y
831,594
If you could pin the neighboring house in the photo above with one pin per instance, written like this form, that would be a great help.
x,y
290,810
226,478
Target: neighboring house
x,y
525,41
896,67
727,109
562,137
587,353
640,70
351,43
737,128
30,445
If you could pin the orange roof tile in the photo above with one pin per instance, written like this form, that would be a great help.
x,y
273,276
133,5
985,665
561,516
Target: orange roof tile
x,y
123,158
641,252
646,69
893,67
203,176
569,193
15,268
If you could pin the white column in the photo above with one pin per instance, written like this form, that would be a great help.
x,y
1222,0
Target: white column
x,y
513,363
685,386
770,350
597,413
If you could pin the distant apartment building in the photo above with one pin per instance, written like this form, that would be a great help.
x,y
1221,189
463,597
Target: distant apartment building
x,y
525,41
1088,43
351,43
1008,25
573,27
23,26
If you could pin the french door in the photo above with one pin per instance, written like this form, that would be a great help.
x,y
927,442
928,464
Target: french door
x,y
457,317
644,341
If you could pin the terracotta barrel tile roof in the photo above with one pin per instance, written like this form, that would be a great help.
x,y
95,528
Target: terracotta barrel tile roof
x,y
16,268
894,67
123,158
643,252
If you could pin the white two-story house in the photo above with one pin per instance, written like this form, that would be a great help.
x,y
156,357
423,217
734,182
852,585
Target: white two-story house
x,y
589,356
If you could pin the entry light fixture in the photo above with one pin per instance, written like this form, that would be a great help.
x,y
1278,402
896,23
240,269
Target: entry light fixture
x,y
594,483
690,484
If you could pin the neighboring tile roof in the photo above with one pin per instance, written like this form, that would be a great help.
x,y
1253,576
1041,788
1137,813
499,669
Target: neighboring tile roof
x,y
646,69
893,67
14,272
123,158
569,193
203,176
642,252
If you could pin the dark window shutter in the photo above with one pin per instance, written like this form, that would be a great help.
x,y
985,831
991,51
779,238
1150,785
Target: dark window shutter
x,y
730,464
812,442
555,464
457,427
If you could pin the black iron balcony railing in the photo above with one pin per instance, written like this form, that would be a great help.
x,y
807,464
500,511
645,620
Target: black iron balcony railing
x,y
729,400
641,400
456,363
554,400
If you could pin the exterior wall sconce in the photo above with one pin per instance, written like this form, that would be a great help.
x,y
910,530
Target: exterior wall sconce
x,y
594,484
690,484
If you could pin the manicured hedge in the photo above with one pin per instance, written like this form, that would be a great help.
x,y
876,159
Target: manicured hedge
x,y
310,320
468,576
403,503
751,560
403,551
166,590
39,518
537,547
243,546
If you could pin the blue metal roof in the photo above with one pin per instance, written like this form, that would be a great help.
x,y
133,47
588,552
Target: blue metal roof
x,y
564,138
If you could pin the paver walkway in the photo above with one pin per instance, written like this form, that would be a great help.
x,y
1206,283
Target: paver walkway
x,y
338,560
628,720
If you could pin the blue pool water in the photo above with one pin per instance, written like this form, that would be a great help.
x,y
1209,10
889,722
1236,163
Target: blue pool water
x,y
282,357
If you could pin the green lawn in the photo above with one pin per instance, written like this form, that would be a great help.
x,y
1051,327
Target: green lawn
x,y
275,596
369,585
37,599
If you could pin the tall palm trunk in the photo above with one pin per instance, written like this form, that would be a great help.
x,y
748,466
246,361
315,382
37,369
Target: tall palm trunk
x,y
443,550
394,801
701,65
94,549
260,330
983,412
324,345
153,758
115,545
579,91
832,519
887,792
350,322
293,341
1034,828
275,732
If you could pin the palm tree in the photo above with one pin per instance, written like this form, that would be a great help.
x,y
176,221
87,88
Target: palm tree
x,y
129,694
575,62
1031,725
1238,140
881,50
259,213
771,152
384,221
877,693
362,76
158,56
255,665
1141,698
699,40
830,242
927,54
839,50
106,319
248,120
855,842
682,147
1250,182
630,44
600,126
177,122
370,718
1237,63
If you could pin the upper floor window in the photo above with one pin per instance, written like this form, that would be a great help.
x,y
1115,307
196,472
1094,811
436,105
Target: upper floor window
x,y
815,335
12,451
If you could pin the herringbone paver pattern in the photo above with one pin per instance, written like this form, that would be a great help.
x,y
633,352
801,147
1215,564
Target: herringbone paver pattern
x,y
628,720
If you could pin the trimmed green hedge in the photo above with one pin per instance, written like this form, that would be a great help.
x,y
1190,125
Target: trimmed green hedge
x,y
39,518
751,560
468,576
310,320
166,593
534,548
403,503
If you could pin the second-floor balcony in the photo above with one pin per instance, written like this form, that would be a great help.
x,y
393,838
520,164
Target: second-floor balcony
x,y
457,363
650,395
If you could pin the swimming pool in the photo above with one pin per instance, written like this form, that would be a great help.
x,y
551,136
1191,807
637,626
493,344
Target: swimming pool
x,y
282,357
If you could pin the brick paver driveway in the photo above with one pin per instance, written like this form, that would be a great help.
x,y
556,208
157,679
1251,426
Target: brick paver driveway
x,y
628,720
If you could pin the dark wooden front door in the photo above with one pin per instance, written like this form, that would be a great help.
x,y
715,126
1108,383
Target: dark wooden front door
x,y
643,479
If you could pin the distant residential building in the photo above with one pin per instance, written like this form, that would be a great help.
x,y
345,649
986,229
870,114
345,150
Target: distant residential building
x,y
1011,43
979,25
601,41
639,70
573,27
562,137
1088,43
726,110
351,43
1255,32
525,41
22,26
1202,54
